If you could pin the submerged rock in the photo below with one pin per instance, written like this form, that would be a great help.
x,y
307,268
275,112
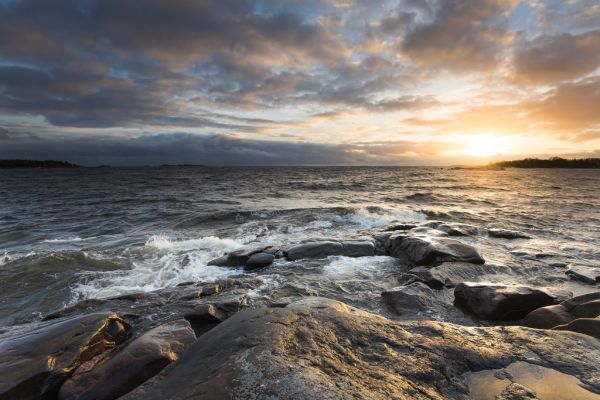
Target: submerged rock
x,y
501,302
414,297
323,349
34,363
315,250
431,251
115,375
506,234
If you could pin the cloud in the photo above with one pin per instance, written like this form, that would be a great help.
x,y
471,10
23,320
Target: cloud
x,y
551,59
461,35
184,148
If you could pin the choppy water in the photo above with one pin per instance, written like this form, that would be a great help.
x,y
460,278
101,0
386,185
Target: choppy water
x,y
67,235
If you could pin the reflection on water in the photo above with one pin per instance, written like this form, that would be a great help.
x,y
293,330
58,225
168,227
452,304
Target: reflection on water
x,y
547,383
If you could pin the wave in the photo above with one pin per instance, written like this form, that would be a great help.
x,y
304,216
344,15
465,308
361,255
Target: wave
x,y
73,239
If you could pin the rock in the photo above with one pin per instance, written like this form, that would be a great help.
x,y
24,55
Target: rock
x,y
34,363
147,310
506,234
514,391
414,297
322,349
429,276
143,358
503,303
457,229
587,326
547,317
583,273
259,260
315,250
237,258
399,227
431,251
358,248
566,314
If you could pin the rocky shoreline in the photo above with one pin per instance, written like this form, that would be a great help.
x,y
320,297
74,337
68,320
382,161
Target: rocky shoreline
x,y
219,340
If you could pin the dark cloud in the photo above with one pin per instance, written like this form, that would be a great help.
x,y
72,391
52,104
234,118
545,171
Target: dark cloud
x,y
550,59
183,148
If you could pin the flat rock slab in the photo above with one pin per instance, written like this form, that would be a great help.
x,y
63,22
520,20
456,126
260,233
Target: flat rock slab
x,y
323,349
503,303
507,234
315,250
34,363
431,251
590,275
115,375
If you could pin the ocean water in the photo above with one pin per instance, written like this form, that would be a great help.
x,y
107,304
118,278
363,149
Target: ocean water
x,y
68,235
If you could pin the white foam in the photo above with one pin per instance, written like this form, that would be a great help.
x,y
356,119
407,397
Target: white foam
x,y
340,267
368,219
71,239
163,262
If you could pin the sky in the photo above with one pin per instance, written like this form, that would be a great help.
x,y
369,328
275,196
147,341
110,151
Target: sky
x,y
265,82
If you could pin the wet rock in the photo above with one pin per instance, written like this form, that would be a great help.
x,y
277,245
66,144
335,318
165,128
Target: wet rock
x,y
399,227
358,248
322,349
429,276
259,260
431,251
147,310
506,234
315,250
143,358
503,303
587,326
34,363
583,273
514,391
237,258
415,297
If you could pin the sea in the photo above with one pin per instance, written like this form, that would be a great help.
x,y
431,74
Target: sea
x,y
68,235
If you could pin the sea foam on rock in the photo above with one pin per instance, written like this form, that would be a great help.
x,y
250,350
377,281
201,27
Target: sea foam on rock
x,y
323,349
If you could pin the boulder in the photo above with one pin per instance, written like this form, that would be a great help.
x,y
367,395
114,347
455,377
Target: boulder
x,y
315,250
35,362
112,377
237,258
259,260
358,248
515,391
415,297
323,349
506,234
566,314
583,273
431,251
429,276
501,302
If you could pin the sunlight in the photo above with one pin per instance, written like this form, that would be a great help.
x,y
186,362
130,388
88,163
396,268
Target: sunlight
x,y
485,146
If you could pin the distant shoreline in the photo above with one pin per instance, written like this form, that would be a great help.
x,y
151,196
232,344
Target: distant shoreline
x,y
529,163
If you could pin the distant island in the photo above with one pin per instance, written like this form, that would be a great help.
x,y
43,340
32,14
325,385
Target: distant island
x,y
555,162
7,164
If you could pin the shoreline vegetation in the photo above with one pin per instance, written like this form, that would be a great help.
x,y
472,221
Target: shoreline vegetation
x,y
10,164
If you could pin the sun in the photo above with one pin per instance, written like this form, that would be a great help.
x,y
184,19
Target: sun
x,y
485,146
